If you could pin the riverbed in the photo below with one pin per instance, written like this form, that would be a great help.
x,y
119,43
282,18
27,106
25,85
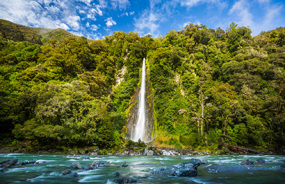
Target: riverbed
x,y
50,168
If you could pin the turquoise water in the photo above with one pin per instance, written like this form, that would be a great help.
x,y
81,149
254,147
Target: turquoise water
x,y
139,168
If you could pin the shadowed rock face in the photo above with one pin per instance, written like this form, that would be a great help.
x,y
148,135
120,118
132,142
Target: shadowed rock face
x,y
133,113
230,168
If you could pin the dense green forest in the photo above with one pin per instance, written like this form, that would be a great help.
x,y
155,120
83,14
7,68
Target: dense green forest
x,y
209,87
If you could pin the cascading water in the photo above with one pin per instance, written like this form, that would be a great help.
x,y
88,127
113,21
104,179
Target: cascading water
x,y
140,126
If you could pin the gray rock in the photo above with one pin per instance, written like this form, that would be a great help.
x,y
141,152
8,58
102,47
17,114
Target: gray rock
x,y
187,173
186,169
8,163
150,153
260,161
26,162
3,169
97,164
40,162
124,165
68,171
124,180
230,168
283,165
75,165
74,174
85,167
116,174
247,162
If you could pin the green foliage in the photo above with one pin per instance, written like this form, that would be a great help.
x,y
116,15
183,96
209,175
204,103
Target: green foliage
x,y
209,87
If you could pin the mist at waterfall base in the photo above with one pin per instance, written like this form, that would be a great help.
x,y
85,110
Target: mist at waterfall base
x,y
139,168
140,126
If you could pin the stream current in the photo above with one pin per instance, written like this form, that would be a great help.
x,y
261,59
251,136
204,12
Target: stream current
x,y
139,167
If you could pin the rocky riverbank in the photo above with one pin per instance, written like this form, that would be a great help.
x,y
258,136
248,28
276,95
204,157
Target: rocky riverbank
x,y
78,168
150,151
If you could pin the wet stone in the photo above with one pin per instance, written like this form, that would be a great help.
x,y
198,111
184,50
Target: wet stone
x,y
124,165
8,163
116,174
68,171
124,180
75,165
247,162
260,161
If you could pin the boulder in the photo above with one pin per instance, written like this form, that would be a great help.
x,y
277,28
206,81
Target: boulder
x,y
260,161
40,162
116,174
124,180
188,172
230,168
75,165
283,165
28,162
8,163
74,174
124,165
3,169
97,164
186,169
150,153
247,162
65,172
85,167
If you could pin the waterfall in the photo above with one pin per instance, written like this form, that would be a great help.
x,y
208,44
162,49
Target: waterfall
x,y
140,126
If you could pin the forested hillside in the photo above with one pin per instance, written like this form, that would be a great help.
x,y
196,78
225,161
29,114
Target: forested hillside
x,y
209,87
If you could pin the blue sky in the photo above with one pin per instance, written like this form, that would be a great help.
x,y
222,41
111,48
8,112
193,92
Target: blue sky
x,y
98,18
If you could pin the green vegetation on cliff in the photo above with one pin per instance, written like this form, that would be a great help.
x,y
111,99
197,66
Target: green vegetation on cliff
x,y
210,87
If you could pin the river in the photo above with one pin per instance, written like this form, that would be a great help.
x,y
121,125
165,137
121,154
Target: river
x,y
139,167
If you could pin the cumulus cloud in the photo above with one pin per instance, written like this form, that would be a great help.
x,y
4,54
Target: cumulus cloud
x,y
94,27
110,22
122,4
73,21
241,9
192,3
87,2
147,23
46,13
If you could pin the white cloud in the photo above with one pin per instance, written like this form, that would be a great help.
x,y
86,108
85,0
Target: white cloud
x,y
82,11
122,4
87,24
147,23
241,9
87,2
110,22
263,1
48,14
131,13
94,11
103,3
73,21
94,27
186,23
192,3
63,26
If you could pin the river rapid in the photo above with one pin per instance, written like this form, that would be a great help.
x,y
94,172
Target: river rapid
x,y
139,167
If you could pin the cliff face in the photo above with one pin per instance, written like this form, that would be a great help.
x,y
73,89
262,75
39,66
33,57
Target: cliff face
x,y
133,113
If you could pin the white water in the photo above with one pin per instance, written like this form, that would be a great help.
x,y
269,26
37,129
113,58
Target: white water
x,y
140,126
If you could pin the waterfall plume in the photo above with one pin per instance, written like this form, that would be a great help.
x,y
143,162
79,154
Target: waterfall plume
x,y
140,125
